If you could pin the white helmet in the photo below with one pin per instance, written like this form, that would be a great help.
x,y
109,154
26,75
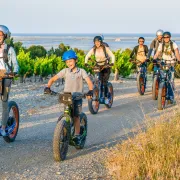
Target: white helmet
x,y
5,31
159,32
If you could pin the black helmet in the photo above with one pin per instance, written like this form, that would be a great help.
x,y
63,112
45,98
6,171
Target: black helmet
x,y
98,38
141,38
167,33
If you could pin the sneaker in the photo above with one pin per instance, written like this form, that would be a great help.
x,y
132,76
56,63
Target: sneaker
x,y
3,132
172,100
106,101
77,139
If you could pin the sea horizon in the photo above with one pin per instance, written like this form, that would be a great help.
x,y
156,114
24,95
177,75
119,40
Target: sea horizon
x,y
84,41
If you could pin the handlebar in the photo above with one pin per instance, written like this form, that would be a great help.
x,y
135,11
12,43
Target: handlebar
x,y
97,67
77,96
7,75
137,61
164,62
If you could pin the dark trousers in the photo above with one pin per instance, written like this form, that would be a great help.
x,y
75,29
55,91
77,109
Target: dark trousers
x,y
104,77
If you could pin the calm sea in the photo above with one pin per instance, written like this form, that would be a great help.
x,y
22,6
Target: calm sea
x,y
85,41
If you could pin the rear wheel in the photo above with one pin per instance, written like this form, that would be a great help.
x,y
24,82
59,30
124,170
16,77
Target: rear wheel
x,y
61,139
141,84
110,95
162,96
93,103
83,130
155,88
13,122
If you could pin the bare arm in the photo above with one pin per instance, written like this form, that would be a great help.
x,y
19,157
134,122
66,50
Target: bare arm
x,y
52,80
89,82
89,54
111,55
156,55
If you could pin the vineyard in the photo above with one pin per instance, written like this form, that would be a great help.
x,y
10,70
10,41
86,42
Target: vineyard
x,y
37,61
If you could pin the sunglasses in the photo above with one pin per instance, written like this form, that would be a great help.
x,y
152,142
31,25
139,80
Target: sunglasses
x,y
141,41
166,37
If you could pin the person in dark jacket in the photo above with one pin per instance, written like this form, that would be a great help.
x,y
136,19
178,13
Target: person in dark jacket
x,y
155,43
140,52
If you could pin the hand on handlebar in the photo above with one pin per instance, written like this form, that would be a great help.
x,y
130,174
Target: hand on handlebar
x,y
47,90
112,64
89,93
154,61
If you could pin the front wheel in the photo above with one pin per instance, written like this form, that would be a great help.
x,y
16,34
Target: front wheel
x,y
61,139
13,122
83,130
141,84
93,103
110,95
162,96
155,88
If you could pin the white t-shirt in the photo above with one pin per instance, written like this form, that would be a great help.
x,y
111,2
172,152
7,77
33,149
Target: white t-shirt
x,y
168,54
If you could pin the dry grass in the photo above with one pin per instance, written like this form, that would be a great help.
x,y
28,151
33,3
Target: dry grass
x,y
154,154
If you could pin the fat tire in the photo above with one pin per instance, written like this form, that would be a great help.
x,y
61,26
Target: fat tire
x,y
57,150
155,88
108,106
139,84
90,102
160,94
11,138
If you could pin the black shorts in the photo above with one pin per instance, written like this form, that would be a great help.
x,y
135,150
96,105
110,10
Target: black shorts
x,y
77,107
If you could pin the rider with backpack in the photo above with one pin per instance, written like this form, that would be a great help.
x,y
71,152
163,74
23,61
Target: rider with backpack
x,y
102,55
170,53
140,51
155,43
8,64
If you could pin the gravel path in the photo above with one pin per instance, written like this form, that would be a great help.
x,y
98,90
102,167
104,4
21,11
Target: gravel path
x,y
30,156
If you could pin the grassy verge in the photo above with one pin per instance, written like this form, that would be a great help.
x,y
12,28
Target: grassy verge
x,y
154,154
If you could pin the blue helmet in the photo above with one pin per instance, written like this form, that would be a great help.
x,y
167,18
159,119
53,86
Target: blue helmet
x,y
69,55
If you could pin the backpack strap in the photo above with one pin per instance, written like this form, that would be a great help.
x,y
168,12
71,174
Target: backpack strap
x,y
155,42
5,57
145,49
105,53
171,45
172,48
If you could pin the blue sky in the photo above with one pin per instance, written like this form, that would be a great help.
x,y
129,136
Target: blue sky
x,y
93,16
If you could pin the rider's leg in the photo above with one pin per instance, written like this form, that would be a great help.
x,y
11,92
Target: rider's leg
x,y
172,76
107,72
101,80
4,102
171,84
77,112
